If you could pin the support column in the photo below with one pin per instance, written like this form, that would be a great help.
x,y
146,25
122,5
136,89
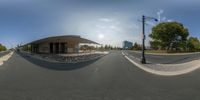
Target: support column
x,y
59,51
78,48
66,47
54,48
31,48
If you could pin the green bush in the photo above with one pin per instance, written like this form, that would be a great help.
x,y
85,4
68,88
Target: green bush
x,y
193,44
2,48
137,46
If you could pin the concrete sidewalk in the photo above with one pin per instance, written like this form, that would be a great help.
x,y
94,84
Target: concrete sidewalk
x,y
65,58
5,57
165,69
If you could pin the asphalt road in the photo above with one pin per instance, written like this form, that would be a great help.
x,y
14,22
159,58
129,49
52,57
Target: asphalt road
x,y
166,59
111,77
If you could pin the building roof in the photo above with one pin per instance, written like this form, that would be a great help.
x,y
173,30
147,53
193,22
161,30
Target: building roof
x,y
65,37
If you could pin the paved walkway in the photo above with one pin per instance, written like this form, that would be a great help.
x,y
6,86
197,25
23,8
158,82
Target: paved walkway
x,y
165,69
5,57
66,58
82,54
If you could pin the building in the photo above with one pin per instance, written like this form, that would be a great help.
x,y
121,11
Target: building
x,y
127,45
58,44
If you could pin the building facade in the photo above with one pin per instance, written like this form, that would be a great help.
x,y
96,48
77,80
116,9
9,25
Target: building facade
x,y
126,45
58,44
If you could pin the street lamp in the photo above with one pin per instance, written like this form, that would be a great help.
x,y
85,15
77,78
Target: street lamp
x,y
144,18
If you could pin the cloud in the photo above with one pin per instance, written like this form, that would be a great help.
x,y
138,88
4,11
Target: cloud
x,y
169,20
114,28
160,11
162,18
105,19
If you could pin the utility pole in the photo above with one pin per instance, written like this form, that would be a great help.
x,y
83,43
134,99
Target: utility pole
x,y
143,60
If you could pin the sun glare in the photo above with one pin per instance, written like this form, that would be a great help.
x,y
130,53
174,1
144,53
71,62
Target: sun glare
x,y
100,36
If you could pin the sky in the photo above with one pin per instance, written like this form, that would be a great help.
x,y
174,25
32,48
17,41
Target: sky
x,y
103,21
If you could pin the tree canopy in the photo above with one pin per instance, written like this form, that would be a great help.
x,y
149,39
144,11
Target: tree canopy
x,y
136,46
2,47
193,44
169,36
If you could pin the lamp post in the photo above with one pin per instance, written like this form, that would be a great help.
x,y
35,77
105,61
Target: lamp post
x,y
144,18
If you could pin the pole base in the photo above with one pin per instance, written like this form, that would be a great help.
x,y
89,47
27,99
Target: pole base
x,y
143,61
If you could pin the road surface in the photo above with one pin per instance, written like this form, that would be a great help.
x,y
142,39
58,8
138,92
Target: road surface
x,y
166,59
111,77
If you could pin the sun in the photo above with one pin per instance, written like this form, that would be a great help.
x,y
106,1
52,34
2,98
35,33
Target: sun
x,y
100,36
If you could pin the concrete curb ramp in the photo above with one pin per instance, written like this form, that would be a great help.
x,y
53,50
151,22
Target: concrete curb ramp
x,y
5,58
167,69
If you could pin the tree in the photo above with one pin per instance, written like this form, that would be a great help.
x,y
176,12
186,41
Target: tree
x,y
169,36
2,48
155,45
136,46
87,47
193,44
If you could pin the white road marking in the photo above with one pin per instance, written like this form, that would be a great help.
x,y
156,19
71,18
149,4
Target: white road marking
x,y
135,57
1,63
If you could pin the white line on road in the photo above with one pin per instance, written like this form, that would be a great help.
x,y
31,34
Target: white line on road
x,y
134,57
1,63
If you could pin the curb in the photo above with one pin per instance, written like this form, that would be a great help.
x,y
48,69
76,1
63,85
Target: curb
x,y
168,54
162,73
5,57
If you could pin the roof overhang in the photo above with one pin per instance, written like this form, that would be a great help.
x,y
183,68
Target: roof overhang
x,y
65,37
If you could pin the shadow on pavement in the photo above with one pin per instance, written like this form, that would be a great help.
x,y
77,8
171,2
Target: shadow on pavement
x,y
56,66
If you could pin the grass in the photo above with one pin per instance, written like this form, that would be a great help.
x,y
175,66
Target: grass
x,y
156,51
